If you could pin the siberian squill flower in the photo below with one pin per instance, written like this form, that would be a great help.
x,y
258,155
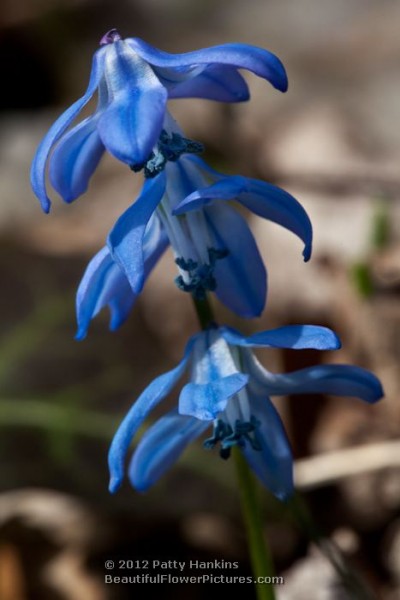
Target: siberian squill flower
x,y
213,246
133,82
230,391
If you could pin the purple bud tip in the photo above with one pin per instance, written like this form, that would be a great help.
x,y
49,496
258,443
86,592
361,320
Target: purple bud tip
x,y
110,37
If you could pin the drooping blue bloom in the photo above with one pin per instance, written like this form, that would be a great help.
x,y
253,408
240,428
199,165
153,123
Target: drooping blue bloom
x,y
133,82
230,390
213,245
104,283
185,203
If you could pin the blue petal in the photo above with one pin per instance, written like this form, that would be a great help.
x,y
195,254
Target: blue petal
x,y
273,464
126,238
131,124
38,169
241,276
206,401
264,199
155,242
161,446
103,282
212,358
214,377
196,163
150,397
297,337
337,380
218,82
241,56
75,159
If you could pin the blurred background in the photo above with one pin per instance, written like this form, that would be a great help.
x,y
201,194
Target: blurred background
x,y
333,141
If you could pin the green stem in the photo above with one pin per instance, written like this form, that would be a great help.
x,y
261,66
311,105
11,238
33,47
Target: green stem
x,y
204,312
261,559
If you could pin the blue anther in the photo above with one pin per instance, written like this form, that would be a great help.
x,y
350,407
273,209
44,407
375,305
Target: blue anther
x,y
201,277
244,431
169,148
215,254
154,165
221,429
186,265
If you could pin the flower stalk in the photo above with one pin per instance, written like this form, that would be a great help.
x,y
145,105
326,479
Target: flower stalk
x,y
204,312
260,555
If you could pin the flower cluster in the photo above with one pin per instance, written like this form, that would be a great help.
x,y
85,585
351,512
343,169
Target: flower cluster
x,y
187,205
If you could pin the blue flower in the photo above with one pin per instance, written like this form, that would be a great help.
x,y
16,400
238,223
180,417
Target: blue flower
x,y
104,283
213,245
230,390
133,81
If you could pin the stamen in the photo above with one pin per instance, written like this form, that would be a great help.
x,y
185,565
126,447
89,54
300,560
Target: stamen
x,y
200,233
186,265
216,254
244,432
154,165
220,430
200,278
110,37
173,146
178,235
169,148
